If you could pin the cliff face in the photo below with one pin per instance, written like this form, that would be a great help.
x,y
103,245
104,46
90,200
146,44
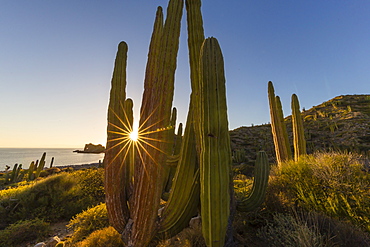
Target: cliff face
x,y
91,148
342,123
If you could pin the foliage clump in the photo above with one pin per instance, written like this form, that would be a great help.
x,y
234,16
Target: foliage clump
x,y
101,238
23,231
54,198
88,221
335,184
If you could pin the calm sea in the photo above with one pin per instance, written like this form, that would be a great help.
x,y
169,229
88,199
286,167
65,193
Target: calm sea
x,y
62,157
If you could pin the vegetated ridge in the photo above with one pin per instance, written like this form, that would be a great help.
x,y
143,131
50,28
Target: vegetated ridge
x,y
340,124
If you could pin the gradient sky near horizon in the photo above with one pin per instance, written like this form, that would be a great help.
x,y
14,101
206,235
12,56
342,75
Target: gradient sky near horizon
x,y
56,60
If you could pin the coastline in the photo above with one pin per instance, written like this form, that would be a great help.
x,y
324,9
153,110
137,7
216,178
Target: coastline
x,y
75,167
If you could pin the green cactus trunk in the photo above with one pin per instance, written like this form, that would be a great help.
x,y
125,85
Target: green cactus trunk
x,y
31,175
215,157
279,133
41,165
299,141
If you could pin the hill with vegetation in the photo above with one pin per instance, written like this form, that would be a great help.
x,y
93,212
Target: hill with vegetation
x,y
339,124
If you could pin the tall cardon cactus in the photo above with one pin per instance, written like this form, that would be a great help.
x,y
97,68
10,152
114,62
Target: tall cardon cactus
x,y
278,128
299,140
138,173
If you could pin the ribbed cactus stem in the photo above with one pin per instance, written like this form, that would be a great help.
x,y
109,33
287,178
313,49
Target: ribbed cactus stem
x,y
31,175
155,113
261,176
215,156
13,173
115,196
278,129
184,196
299,141
41,165
129,158
285,137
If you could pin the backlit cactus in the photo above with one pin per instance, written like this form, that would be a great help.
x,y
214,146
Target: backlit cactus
x,y
299,141
279,133
137,174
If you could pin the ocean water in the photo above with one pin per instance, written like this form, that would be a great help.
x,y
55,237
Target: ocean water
x,y
62,157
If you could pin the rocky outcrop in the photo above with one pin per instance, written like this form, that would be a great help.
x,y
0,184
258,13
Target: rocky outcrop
x,y
91,148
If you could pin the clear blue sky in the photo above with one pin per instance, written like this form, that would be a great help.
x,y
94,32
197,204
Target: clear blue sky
x,y
56,60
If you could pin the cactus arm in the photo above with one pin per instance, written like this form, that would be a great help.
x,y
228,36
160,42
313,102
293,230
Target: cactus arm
x,y
180,208
41,165
116,198
215,157
277,121
156,111
169,171
299,141
30,171
51,162
286,146
13,173
184,199
257,195
195,41
129,158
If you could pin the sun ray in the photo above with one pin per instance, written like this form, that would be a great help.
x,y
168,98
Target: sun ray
x,y
151,145
118,153
147,119
122,122
119,128
130,128
147,152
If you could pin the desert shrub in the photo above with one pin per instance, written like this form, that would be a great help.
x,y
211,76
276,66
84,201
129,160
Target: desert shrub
x,y
85,223
24,231
57,197
102,238
91,182
286,230
335,184
337,233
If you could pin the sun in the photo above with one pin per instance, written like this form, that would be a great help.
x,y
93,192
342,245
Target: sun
x,y
134,135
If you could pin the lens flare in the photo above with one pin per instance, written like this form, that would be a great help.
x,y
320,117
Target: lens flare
x,y
137,138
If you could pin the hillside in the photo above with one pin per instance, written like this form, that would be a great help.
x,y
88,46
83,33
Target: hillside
x,y
342,123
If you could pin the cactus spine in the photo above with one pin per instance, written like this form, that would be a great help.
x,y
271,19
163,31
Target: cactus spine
x,y
279,133
299,141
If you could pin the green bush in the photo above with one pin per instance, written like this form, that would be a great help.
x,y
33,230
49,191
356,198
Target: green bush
x,y
91,182
23,231
102,238
57,197
335,184
88,221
